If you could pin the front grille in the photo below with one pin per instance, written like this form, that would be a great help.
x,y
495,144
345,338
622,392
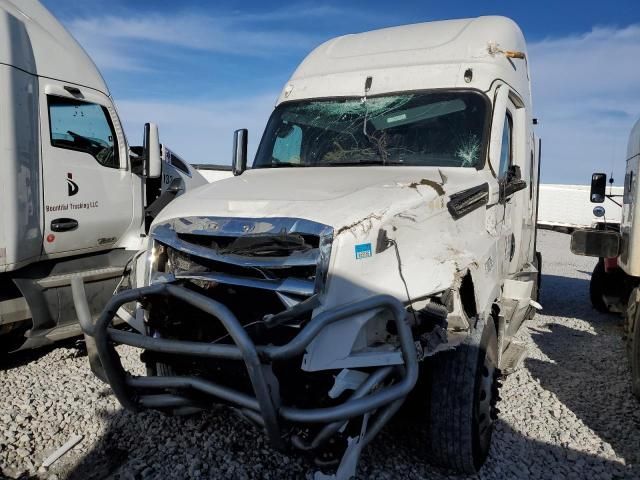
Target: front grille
x,y
286,256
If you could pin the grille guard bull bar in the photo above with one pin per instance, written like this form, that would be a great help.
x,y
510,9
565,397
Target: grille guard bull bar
x,y
265,408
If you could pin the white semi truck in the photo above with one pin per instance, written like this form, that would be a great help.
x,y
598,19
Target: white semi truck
x,y
381,249
73,197
615,281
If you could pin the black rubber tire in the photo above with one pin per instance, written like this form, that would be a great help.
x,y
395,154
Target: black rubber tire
x,y
597,286
632,334
463,394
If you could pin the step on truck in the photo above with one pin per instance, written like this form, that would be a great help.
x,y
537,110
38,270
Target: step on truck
x,y
380,251
75,199
615,282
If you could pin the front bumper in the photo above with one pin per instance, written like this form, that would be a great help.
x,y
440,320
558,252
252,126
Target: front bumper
x,y
264,407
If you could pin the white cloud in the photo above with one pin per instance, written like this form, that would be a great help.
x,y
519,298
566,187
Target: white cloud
x,y
200,132
115,41
587,97
198,32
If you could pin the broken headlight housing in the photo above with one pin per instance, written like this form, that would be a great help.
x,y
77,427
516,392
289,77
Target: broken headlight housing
x,y
286,255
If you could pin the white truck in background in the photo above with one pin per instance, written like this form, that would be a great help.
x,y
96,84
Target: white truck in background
x,y
74,199
381,249
564,208
615,281
213,173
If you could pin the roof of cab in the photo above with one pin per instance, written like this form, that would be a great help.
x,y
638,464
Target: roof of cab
x,y
422,55
33,40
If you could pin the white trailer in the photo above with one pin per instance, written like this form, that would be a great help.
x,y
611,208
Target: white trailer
x,y
615,282
387,227
213,173
73,197
564,208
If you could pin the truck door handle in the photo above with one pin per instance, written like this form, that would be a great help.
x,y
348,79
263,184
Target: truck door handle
x,y
63,224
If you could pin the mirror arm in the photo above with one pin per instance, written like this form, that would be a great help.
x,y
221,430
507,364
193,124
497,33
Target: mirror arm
x,y
611,197
510,188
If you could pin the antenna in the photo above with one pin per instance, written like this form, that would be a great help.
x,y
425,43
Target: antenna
x,y
611,180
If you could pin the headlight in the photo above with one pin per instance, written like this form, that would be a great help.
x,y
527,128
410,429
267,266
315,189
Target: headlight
x,y
322,269
157,262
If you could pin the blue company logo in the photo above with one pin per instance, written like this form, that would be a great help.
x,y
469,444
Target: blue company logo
x,y
363,251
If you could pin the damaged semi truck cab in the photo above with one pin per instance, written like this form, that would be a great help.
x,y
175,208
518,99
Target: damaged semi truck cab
x,y
380,250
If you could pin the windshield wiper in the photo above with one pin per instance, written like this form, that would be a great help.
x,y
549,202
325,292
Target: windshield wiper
x,y
363,162
284,164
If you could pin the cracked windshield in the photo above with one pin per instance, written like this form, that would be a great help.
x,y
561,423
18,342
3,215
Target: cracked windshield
x,y
421,129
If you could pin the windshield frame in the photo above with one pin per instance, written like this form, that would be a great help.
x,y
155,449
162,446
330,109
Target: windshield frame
x,y
480,165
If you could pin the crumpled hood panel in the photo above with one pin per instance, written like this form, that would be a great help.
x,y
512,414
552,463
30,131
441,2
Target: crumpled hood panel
x,y
334,196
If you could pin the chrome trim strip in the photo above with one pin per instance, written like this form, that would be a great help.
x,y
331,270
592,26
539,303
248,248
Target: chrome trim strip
x,y
238,226
94,275
165,235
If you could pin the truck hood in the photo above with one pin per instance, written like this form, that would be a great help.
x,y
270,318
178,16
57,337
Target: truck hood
x,y
334,196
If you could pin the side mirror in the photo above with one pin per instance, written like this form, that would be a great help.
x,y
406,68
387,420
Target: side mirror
x,y
151,149
514,173
512,182
239,163
598,187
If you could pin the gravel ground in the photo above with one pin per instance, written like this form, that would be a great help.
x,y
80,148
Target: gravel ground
x,y
567,412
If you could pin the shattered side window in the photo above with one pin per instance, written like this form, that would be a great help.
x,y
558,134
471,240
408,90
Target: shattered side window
x,y
506,149
421,129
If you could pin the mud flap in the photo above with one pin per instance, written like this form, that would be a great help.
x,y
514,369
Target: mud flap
x,y
517,303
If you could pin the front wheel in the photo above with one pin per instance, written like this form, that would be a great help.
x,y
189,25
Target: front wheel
x,y
464,392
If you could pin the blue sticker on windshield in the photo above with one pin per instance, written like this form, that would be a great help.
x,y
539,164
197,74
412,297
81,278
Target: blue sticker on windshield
x,y
363,251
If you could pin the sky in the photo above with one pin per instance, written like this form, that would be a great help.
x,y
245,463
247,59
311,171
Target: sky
x,y
201,69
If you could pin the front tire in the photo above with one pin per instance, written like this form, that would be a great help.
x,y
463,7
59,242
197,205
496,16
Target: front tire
x,y
464,391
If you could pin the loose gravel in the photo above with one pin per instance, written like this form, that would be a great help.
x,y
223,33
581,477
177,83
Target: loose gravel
x,y
568,412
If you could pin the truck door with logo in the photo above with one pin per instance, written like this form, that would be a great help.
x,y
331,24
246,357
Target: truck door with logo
x,y
88,192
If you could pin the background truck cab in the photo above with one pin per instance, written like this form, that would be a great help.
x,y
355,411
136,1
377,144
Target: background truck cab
x,y
614,285
73,195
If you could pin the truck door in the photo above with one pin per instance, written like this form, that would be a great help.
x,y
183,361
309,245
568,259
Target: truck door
x,y
518,213
506,160
88,191
509,143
